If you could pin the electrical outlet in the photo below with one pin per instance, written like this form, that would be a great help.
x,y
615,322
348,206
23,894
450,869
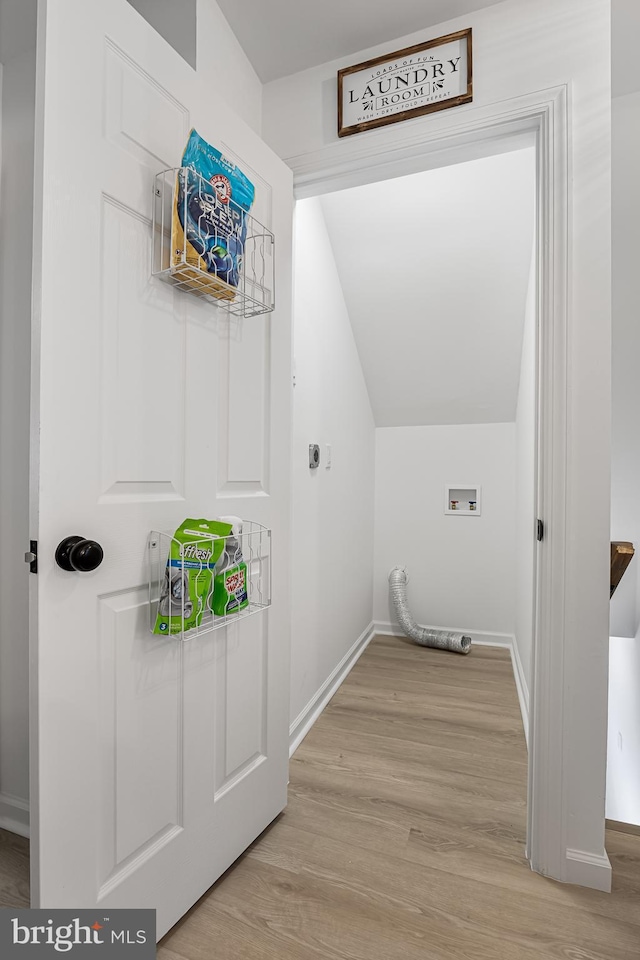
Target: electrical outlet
x,y
314,456
327,459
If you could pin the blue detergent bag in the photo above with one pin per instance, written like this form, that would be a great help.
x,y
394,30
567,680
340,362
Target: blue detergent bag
x,y
214,197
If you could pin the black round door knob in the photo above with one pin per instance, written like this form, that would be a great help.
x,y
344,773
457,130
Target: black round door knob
x,y
76,553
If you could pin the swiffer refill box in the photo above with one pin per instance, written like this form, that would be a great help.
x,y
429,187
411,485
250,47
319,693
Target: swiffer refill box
x,y
195,549
209,226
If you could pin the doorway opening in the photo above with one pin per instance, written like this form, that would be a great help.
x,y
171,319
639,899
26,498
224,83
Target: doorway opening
x,y
416,372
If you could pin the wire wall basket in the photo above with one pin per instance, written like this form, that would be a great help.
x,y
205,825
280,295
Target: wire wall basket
x,y
188,596
209,246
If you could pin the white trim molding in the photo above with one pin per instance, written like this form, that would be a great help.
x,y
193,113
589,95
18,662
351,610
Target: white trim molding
x,y
542,118
589,870
309,714
521,687
387,629
484,131
14,814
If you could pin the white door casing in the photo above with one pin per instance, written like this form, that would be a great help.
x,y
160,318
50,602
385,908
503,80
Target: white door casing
x,y
542,117
154,763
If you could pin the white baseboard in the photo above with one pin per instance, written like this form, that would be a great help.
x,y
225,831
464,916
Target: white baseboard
x,y
14,814
588,870
480,638
308,716
477,636
521,687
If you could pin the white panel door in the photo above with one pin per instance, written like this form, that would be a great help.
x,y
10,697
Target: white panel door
x,y
154,762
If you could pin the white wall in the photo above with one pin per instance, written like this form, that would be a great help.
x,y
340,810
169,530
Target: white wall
x,y
461,568
623,766
284,36
523,48
525,513
332,558
17,51
198,30
233,76
176,23
625,29
623,757
625,449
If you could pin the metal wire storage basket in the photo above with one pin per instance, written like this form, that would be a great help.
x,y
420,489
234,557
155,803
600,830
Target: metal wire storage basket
x,y
242,284
247,589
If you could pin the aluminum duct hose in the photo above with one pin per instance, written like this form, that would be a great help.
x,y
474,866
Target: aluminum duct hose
x,y
442,639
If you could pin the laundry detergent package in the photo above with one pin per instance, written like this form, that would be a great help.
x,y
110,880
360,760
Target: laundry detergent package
x,y
196,547
209,223
230,588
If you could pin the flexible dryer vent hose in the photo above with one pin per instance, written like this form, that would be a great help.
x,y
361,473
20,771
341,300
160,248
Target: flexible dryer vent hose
x,y
442,639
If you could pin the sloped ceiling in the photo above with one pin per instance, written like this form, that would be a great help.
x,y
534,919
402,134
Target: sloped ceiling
x,y
434,269
281,37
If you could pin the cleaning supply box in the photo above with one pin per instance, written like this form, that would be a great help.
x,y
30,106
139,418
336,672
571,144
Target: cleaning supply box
x,y
196,547
230,587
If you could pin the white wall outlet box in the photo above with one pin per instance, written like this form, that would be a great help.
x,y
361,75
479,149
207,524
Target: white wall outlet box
x,y
463,499
327,458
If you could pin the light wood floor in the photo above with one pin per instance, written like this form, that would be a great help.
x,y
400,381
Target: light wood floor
x,y
14,870
403,838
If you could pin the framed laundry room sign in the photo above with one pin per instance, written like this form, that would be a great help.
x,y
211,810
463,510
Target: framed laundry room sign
x,y
429,76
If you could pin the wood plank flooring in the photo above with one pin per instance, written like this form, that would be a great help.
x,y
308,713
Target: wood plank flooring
x,y
404,836
14,870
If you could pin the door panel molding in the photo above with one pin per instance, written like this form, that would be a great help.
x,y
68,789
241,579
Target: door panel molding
x,y
141,765
132,95
142,384
126,439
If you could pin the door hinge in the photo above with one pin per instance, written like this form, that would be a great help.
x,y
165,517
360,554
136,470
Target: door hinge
x,y
31,556
539,530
